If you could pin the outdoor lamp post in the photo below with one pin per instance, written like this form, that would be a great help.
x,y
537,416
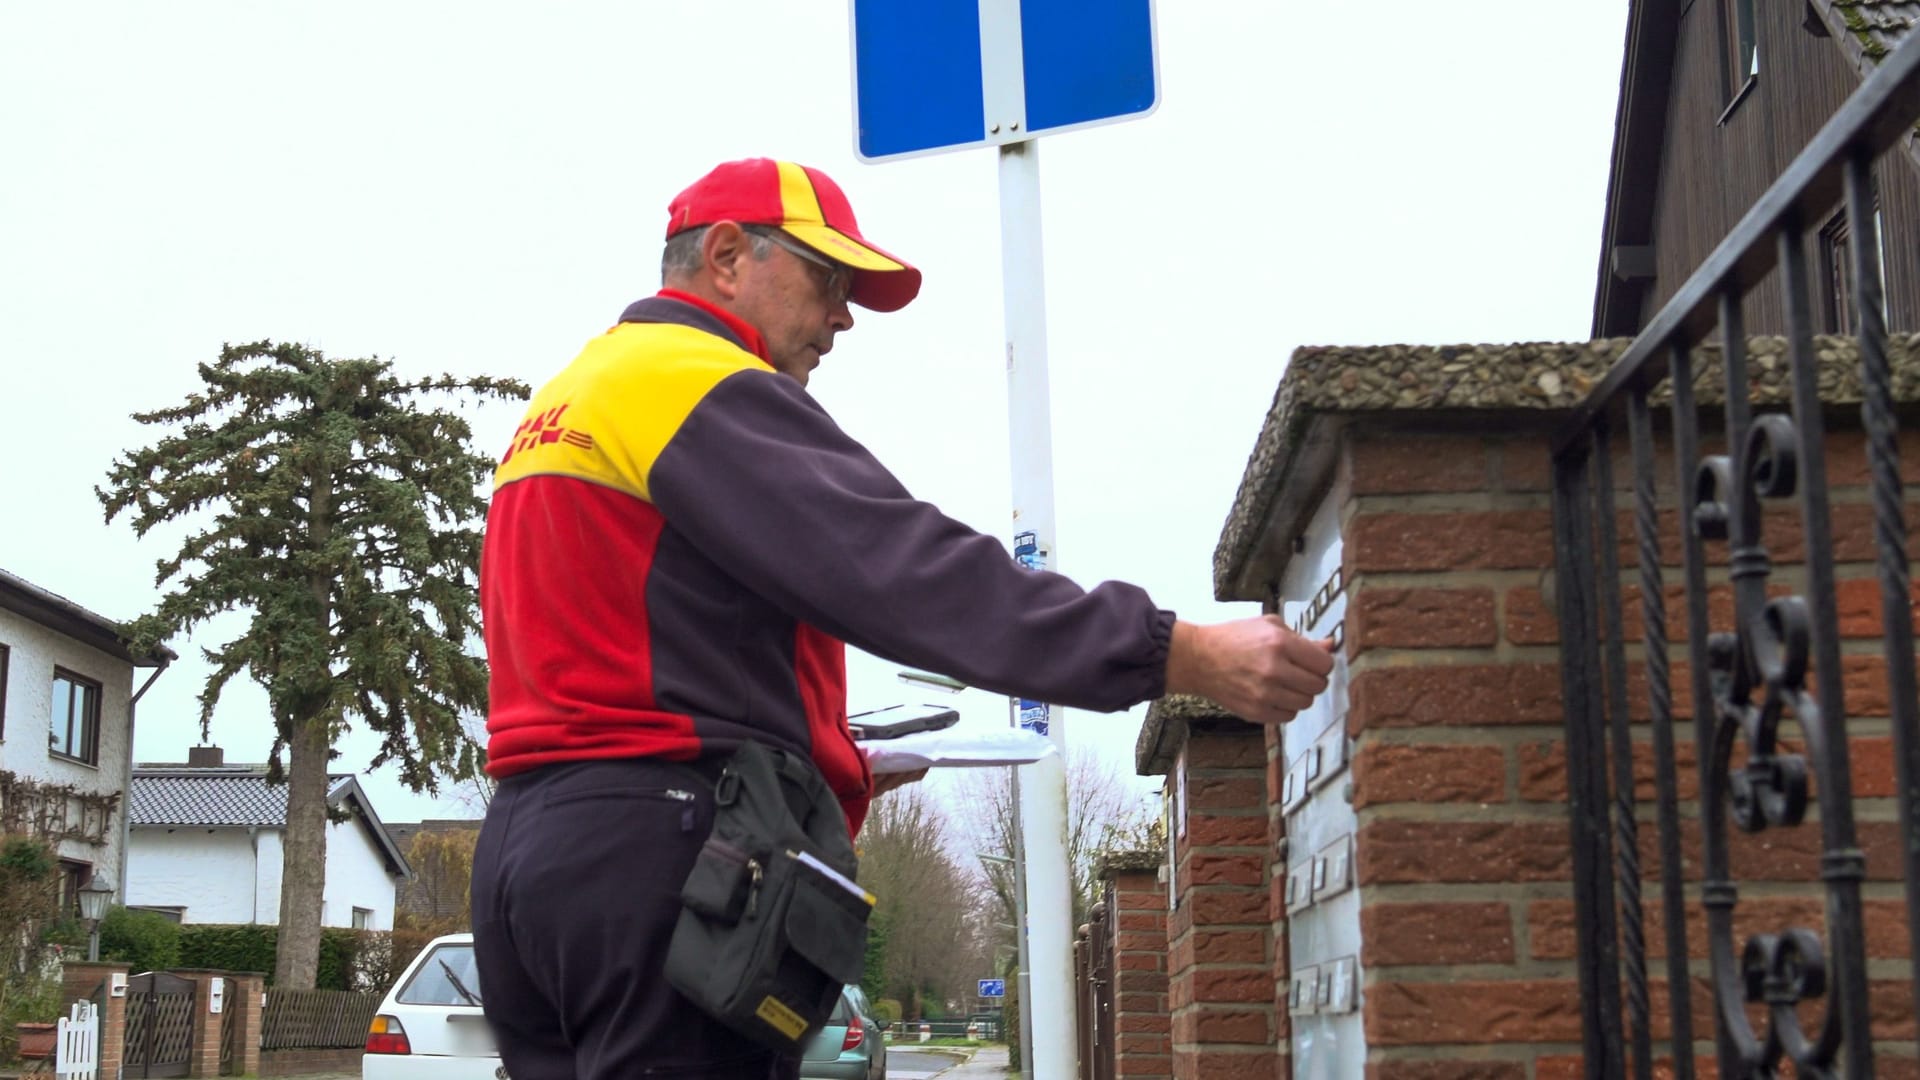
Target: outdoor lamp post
x,y
93,907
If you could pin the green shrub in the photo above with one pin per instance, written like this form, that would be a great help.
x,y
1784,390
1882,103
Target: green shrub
x,y
251,947
146,940
228,947
29,927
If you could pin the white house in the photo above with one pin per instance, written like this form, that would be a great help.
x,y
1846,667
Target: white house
x,y
67,700
206,846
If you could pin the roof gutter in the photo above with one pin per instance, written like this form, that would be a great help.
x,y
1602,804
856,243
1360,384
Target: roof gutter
x,y
166,656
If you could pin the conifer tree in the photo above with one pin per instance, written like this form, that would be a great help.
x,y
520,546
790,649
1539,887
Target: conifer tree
x,y
322,499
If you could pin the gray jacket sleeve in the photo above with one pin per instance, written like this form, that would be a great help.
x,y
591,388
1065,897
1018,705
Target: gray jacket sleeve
x,y
770,488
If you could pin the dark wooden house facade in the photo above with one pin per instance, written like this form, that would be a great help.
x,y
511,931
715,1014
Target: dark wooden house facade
x,y
1717,97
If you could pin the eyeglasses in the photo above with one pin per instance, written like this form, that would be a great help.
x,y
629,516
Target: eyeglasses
x,y
839,276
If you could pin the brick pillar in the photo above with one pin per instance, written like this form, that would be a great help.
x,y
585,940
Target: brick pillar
x,y
1281,968
244,1000
1447,687
1143,1044
1220,979
80,979
1457,783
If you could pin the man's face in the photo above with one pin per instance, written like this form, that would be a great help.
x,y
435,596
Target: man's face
x,y
798,305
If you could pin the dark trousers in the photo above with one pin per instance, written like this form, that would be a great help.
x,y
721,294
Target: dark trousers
x,y
576,888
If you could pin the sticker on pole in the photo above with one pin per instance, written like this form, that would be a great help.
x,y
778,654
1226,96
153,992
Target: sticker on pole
x,y
993,988
1035,716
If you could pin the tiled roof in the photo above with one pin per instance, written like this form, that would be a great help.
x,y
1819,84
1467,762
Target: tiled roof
x,y
1868,31
52,610
222,795
1874,27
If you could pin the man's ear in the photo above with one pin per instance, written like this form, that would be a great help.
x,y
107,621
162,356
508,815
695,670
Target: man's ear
x,y
726,250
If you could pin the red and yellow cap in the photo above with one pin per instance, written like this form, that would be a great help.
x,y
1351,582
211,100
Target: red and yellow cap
x,y
807,205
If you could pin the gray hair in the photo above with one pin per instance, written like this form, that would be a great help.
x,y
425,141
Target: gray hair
x,y
683,255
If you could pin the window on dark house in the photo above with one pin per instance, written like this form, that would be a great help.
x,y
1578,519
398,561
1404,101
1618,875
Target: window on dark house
x,y
75,730
1745,39
1836,257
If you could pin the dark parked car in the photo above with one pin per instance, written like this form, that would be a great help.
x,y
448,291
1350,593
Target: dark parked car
x,y
850,1046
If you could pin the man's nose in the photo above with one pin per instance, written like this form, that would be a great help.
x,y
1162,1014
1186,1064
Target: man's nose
x,y
841,317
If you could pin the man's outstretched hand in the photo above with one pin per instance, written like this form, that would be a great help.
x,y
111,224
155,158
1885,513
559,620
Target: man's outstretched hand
x,y
885,782
1255,668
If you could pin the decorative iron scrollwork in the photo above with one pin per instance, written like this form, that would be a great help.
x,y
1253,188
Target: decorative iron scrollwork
x,y
1765,658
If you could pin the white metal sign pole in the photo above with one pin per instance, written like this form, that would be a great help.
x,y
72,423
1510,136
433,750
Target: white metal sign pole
x,y
1041,791
1043,785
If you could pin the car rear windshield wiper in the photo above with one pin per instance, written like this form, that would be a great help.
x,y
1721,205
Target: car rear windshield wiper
x,y
458,986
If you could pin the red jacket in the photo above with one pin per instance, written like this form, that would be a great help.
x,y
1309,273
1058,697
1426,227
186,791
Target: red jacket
x,y
681,538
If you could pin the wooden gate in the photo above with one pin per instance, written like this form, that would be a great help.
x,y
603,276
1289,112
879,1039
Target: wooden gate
x,y
229,1028
159,1025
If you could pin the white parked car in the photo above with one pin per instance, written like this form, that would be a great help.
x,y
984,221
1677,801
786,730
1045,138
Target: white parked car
x,y
429,1026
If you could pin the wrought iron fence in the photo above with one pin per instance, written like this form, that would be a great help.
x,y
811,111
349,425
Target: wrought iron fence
x,y
1094,990
1778,661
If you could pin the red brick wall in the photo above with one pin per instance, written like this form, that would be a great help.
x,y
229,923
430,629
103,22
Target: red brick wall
x,y
1144,1043
1221,984
297,1062
1463,849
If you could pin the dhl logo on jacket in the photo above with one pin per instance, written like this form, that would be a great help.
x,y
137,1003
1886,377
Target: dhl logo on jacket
x,y
611,633
681,539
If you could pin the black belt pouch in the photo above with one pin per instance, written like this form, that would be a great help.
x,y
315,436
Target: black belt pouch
x,y
772,924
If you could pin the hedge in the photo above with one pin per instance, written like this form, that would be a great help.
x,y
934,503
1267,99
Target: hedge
x,y
145,940
251,947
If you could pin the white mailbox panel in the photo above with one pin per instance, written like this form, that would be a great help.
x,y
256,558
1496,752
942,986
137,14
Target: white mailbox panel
x,y
1323,908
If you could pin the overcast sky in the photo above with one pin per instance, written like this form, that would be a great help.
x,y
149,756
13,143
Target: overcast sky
x,y
480,187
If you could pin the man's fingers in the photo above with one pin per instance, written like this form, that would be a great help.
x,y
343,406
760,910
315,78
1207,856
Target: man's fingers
x,y
1299,681
1313,656
1290,701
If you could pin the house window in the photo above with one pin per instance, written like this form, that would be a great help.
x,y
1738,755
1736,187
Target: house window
x,y
76,717
5,652
1744,39
73,877
1836,258
362,918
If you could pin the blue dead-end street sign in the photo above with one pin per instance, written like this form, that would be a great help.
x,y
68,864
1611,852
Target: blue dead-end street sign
x,y
937,75
993,988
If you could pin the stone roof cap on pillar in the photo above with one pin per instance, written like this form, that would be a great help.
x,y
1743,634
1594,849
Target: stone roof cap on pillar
x,y
1529,386
1164,733
1114,862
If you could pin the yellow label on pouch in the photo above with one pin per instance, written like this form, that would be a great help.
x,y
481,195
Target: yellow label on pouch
x,y
783,1019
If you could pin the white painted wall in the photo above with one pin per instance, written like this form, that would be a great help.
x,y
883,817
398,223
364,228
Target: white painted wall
x,y
220,877
209,872
356,877
35,652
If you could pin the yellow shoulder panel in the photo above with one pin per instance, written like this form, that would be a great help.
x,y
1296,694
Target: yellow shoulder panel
x,y
607,417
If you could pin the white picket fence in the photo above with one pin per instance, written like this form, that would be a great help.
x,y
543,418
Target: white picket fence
x,y
77,1051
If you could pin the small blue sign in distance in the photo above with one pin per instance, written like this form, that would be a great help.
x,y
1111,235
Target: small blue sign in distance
x,y
993,988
